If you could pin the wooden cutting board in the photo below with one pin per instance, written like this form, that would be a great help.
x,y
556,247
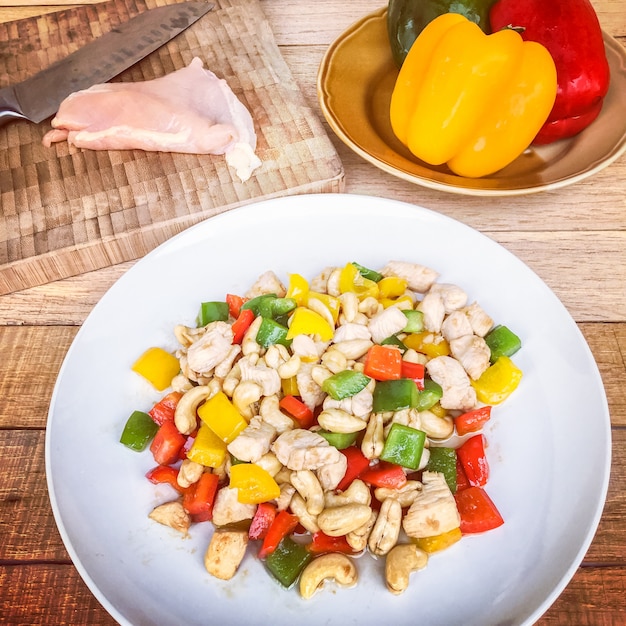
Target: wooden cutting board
x,y
65,211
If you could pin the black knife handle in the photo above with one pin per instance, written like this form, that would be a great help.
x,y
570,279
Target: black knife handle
x,y
9,107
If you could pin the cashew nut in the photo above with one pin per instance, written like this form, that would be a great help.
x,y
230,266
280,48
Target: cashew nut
x,y
299,509
308,486
374,440
332,566
386,531
290,367
400,562
334,360
248,343
358,538
245,394
185,416
405,495
321,309
189,473
349,305
270,412
339,421
358,492
436,427
341,520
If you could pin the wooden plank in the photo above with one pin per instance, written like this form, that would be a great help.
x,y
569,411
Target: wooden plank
x,y
67,211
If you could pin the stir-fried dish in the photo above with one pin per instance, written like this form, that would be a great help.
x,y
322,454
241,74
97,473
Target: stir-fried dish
x,y
314,421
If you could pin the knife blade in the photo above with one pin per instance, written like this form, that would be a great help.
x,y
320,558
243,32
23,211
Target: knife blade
x,y
98,61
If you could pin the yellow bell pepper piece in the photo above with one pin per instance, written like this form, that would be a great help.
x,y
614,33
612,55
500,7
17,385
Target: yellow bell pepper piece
x,y
352,281
207,449
438,410
391,287
438,542
298,288
498,381
471,100
254,484
330,302
158,367
221,416
289,386
307,322
427,343
403,302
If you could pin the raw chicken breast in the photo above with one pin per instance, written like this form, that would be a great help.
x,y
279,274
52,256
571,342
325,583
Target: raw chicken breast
x,y
190,110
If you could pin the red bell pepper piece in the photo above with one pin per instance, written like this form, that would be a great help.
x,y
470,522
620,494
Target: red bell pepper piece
x,y
164,409
383,363
322,543
474,461
461,476
241,324
477,511
384,474
234,304
414,371
357,463
165,474
262,520
283,525
298,410
199,498
167,444
472,421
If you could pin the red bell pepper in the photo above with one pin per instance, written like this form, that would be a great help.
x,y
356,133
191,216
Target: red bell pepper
x,y
357,463
234,304
199,498
262,520
384,474
474,461
472,421
383,363
461,477
167,444
165,474
283,525
571,32
322,543
298,410
241,325
414,371
477,511
164,409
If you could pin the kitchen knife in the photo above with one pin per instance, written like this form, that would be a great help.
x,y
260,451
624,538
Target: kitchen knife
x,y
39,96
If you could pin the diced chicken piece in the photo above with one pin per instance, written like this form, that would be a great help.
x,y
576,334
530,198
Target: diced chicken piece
x,y
434,311
320,282
307,348
225,553
419,277
253,441
310,392
454,298
190,110
228,510
433,511
270,464
347,332
386,323
473,353
480,321
300,449
172,514
266,283
204,354
360,404
259,373
330,475
456,325
458,393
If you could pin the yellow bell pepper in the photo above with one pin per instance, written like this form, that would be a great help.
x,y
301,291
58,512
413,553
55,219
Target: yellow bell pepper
x,y
498,381
391,287
298,288
254,484
352,281
430,344
289,386
330,302
221,416
307,322
438,542
158,367
207,449
472,101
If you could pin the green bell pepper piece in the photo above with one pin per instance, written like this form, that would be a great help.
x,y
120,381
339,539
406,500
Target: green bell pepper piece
x,y
368,273
341,441
404,446
287,561
394,341
406,19
256,304
443,460
270,305
393,395
429,396
139,431
212,312
414,321
345,384
502,341
271,332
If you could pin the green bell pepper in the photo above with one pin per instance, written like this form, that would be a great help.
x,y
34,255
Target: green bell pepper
x,y
287,561
341,441
502,341
394,341
429,396
212,312
139,431
269,305
345,384
404,446
271,332
406,19
443,460
368,273
393,395
414,321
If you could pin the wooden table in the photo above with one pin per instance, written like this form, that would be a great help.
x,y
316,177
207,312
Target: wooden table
x,y
574,238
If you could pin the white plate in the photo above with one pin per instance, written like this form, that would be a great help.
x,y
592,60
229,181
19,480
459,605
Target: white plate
x,y
144,573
